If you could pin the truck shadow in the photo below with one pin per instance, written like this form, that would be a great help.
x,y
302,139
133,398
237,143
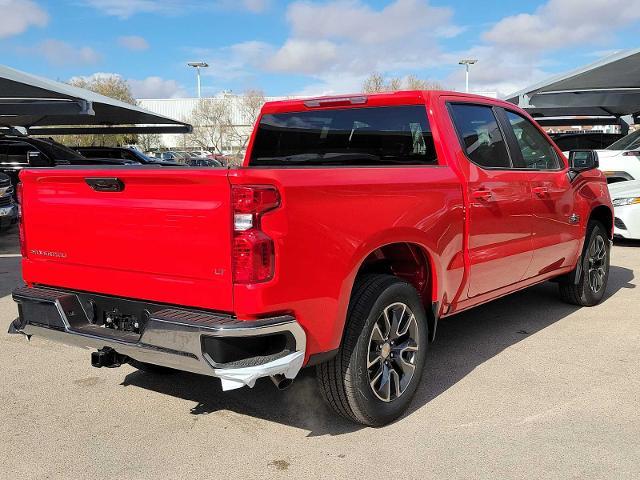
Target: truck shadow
x,y
463,343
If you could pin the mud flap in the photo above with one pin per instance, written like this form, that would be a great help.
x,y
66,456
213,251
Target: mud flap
x,y
15,328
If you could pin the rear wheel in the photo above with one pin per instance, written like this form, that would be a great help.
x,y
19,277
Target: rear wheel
x,y
594,275
375,374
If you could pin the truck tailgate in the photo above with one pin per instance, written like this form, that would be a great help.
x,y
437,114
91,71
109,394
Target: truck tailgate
x,y
165,237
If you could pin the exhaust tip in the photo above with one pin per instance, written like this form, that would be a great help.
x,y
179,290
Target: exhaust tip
x,y
281,382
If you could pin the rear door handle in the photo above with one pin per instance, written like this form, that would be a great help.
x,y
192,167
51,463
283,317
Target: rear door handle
x,y
481,194
540,191
105,184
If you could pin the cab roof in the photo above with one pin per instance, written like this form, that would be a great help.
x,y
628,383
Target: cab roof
x,y
402,97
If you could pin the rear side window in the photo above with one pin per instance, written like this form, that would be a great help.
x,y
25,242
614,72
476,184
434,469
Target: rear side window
x,y
369,136
537,152
480,135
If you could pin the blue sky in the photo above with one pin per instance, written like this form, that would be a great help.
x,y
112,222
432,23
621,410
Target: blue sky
x,y
310,46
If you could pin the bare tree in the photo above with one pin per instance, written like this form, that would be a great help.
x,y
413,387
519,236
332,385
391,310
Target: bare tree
x,y
394,84
376,83
411,82
149,141
212,122
249,105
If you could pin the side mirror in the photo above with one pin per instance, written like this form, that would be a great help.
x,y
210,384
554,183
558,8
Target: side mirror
x,y
582,160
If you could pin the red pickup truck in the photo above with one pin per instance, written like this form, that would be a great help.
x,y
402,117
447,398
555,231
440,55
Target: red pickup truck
x,y
355,224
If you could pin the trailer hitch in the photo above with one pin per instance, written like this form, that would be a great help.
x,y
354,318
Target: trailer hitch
x,y
107,357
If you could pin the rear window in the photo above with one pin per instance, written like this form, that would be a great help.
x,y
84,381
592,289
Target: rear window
x,y
352,136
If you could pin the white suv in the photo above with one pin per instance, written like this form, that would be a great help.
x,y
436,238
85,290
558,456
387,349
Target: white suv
x,y
620,161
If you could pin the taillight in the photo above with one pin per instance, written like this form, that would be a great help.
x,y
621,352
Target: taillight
x,y
253,250
23,240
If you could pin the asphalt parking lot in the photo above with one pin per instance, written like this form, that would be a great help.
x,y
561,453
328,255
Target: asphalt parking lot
x,y
525,387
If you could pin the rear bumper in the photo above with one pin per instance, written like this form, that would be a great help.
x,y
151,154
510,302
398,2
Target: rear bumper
x,y
172,337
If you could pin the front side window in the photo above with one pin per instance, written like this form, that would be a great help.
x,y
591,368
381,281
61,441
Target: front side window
x,y
480,135
369,136
537,152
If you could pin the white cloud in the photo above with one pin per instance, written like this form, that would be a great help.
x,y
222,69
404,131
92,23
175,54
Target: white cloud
x,y
133,42
150,87
252,6
60,53
564,23
19,15
256,6
128,8
515,52
358,22
351,39
156,87
305,56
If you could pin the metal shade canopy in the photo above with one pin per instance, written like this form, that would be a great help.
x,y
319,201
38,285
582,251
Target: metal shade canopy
x,y
43,106
608,88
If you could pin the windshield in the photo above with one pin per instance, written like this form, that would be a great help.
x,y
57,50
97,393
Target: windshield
x,y
630,142
352,136
56,150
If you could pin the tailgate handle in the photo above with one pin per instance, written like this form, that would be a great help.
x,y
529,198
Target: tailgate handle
x,y
102,184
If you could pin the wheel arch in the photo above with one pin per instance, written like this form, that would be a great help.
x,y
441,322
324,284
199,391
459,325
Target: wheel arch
x,y
604,215
410,261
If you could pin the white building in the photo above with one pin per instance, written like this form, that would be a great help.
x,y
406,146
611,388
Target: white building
x,y
182,109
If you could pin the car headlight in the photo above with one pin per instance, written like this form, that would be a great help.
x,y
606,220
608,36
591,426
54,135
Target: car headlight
x,y
621,202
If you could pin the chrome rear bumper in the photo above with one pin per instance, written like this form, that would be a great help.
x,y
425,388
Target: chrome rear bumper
x,y
171,337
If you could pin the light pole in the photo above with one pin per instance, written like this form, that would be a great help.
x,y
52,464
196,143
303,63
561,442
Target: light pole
x,y
466,62
197,66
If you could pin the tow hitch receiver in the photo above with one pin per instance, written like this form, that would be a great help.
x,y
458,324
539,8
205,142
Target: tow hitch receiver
x,y
107,357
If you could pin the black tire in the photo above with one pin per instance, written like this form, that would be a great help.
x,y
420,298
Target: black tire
x,y
584,293
345,380
150,367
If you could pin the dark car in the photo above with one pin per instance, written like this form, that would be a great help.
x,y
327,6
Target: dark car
x,y
8,207
584,140
123,153
17,152
202,162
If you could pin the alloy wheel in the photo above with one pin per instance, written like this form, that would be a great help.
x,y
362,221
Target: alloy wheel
x,y
597,263
392,353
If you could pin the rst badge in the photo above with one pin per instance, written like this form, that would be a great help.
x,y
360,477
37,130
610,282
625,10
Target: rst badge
x,y
47,253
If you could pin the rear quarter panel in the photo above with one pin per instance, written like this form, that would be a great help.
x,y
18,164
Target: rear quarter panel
x,y
331,219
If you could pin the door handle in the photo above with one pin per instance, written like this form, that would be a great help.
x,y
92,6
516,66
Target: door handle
x,y
540,191
481,194
104,184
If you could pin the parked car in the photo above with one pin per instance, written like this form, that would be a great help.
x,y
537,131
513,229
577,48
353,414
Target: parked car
x,y
620,161
8,207
124,153
18,152
356,224
626,203
203,162
173,157
591,140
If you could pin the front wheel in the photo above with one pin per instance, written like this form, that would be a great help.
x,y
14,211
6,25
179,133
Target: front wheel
x,y
375,374
594,276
